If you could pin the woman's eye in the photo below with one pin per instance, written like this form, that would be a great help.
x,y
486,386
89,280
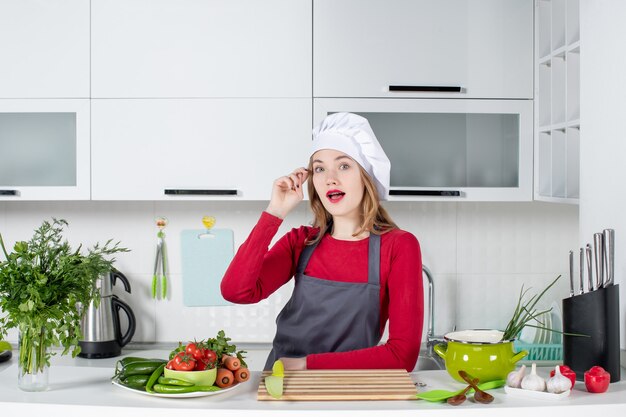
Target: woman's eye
x,y
318,169
344,166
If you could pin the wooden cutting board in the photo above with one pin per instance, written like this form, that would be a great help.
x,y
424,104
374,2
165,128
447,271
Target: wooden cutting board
x,y
341,385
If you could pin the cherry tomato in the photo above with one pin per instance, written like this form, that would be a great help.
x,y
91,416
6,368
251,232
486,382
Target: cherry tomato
x,y
597,379
201,365
170,365
567,372
184,362
194,350
210,356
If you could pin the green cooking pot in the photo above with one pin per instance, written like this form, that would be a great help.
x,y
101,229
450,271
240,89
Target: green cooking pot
x,y
480,353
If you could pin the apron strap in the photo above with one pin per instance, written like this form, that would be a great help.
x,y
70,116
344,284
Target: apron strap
x,y
373,263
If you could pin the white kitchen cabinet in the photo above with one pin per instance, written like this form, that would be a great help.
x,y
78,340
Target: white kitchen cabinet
x,y
181,149
450,150
44,49
44,149
368,48
557,101
201,48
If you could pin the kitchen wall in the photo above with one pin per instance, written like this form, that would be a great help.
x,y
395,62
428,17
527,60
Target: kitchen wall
x,y
480,254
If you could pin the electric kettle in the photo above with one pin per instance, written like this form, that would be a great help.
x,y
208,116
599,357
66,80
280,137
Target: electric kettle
x,y
102,335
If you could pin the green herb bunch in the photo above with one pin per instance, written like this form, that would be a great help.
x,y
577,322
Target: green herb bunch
x,y
525,311
42,284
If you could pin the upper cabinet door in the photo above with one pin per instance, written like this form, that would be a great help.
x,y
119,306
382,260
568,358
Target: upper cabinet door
x,y
44,149
181,149
417,48
201,48
44,49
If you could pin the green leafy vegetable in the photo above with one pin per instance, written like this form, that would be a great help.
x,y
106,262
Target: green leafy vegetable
x,y
525,311
42,282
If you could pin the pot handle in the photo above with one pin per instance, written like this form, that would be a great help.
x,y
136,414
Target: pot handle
x,y
519,355
441,349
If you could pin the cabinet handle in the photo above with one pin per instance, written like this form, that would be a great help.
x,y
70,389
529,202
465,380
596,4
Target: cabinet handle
x,y
13,193
426,88
438,193
200,192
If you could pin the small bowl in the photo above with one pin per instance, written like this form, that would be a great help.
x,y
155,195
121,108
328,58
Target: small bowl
x,y
206,377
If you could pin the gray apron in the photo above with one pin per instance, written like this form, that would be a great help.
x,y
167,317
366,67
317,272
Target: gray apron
x,y
329,316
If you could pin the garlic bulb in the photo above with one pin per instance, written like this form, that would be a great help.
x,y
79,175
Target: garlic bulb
x,y
533,381
558,383
514,378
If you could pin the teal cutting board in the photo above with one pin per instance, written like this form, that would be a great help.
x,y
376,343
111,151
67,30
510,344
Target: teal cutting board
x,y
204,262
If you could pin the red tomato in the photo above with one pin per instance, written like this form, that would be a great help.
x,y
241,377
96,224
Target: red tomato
x,y
194,350
170,365
210,356
567,372
200,365
184,362
597,379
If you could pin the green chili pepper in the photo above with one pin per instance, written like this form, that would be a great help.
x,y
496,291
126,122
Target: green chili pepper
x,y
175,389
172,381
136,381
153,378
140,368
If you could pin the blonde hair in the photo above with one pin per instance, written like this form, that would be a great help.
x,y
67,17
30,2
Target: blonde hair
x,y
374,217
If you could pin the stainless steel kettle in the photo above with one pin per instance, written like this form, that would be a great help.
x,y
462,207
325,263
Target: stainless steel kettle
x,y
102,335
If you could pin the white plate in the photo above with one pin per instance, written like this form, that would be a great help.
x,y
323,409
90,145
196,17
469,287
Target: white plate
x,y
115,382
536,395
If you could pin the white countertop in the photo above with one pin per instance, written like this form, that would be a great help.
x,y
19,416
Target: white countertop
x,y
81,387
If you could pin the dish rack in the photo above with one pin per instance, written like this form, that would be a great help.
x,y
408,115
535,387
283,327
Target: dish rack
x,y
541,352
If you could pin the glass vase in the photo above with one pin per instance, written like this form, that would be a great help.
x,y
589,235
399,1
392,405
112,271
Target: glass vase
x,y
32,366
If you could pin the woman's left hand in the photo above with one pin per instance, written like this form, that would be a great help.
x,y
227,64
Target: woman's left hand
x,y
294,364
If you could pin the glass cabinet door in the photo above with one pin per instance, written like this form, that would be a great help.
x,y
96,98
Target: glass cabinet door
x,y
465,149
44,149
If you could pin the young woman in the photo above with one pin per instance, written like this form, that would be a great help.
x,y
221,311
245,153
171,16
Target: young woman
x,y
354,269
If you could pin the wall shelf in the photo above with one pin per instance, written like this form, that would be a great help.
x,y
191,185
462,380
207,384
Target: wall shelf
x,y
557,101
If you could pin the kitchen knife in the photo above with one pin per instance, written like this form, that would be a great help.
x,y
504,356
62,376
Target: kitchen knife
x,y
581,289
609,255
598,252
589,269
571,273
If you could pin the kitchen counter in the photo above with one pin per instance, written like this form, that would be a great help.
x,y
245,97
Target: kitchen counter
x,y
80,387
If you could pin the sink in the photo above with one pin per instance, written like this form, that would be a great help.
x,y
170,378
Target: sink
x,y
425,362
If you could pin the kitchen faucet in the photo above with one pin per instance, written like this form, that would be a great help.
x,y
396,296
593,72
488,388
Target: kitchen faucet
x,y
431,339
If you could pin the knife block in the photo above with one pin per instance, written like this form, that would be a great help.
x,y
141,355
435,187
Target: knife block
x,y
595,314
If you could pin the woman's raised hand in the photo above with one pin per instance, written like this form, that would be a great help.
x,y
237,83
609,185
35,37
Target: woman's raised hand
x,y
287,192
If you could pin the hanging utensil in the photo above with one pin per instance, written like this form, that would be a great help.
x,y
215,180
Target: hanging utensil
x,y
159,277
609,255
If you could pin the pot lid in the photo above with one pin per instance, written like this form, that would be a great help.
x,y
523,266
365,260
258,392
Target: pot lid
x,y
480,336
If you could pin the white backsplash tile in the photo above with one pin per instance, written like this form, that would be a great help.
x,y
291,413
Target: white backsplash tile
x,y
479,253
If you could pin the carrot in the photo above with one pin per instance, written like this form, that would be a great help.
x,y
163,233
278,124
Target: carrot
x,y
232,363
242,374
224,378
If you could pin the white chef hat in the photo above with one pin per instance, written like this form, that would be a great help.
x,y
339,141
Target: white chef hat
x,y
351,134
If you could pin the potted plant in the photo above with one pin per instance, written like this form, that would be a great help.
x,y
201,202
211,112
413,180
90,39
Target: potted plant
x,y
43,282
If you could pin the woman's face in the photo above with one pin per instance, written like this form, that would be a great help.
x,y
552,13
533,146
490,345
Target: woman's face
x,y
337,181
